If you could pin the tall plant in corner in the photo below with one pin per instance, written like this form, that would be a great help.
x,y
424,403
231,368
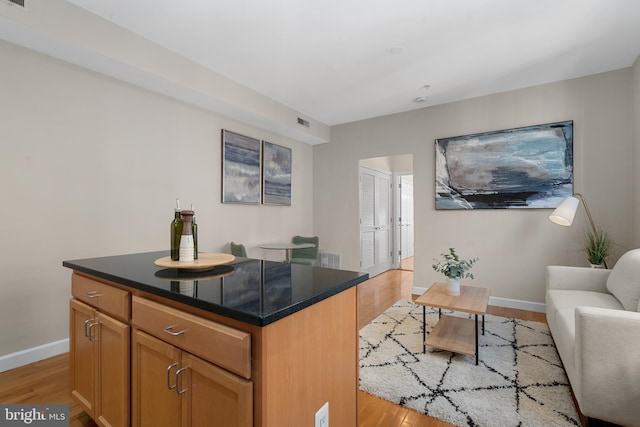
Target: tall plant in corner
x,y
455,269
597,247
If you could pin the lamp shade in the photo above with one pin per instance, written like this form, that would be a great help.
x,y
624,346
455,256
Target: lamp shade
x,y
564,213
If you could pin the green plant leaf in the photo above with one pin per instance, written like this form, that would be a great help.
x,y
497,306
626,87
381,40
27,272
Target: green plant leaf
x,y
452,266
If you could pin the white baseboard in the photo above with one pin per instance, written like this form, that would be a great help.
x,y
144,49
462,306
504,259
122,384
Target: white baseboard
x,y
30,355
538,307
502,302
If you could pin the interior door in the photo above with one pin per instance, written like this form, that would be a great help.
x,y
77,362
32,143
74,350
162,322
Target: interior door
x,y
375,221
406,216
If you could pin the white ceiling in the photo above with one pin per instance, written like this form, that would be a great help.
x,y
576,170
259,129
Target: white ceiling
x,y
344,60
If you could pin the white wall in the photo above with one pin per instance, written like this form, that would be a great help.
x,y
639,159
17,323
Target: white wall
x,y
91,166
514,246
636,148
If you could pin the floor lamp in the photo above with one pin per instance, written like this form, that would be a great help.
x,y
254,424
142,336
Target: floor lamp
x,y
564,213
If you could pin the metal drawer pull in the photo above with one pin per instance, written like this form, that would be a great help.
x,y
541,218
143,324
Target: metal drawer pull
x,y
93,294
178,372
169,386
91,336
170,332
86,325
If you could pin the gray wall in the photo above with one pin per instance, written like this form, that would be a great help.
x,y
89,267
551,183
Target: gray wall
x,y
514,246
636,148
91,166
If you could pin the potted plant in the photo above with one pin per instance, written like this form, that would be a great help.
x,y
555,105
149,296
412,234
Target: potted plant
x,y
455,269
597,247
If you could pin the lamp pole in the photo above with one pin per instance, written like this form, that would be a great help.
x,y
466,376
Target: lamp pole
x,y
593,225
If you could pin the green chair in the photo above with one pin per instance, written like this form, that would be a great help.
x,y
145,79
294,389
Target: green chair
x,y
305,256
238,250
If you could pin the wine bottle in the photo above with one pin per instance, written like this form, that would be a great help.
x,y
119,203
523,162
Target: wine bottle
x,y
194,231
176,232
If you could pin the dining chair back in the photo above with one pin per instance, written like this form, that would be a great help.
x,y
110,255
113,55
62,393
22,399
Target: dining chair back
x,y
238,249
307,256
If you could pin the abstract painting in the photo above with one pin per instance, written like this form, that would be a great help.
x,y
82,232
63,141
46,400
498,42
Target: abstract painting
x,y
240,168
527,167
276,174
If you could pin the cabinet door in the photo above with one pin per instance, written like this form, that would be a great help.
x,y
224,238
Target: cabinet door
x,y
82,355
113,345
153,375
214,397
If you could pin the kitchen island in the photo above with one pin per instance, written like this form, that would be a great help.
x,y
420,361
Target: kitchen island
x,y
250,343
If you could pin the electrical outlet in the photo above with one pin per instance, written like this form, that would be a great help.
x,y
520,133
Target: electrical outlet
x,y
322,416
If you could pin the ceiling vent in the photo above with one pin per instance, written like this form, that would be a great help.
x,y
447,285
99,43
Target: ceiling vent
x,y
303,122
20,3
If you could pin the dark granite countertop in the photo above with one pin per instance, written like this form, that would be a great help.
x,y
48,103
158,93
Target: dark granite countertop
x,y
253,291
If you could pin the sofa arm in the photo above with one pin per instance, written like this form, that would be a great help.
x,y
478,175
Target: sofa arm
x,y
607,353
577,278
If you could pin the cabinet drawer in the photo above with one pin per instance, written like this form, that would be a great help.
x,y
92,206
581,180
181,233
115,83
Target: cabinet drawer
x,y
227,347
107,298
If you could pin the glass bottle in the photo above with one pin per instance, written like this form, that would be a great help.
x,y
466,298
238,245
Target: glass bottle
x,y
176,232
194,231
186,239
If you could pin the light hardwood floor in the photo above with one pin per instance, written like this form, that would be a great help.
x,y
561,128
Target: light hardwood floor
x,y
43,382
407,264
47,381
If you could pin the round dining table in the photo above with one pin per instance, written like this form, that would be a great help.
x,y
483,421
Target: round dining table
x,y
288,247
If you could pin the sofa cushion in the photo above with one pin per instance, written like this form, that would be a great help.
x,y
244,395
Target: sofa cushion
x,y
624,280
558,299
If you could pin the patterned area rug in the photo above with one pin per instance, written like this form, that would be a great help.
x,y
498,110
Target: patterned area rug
x,y
519,381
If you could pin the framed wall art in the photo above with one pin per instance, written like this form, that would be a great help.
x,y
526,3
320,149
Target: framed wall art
x,y
527,167
276,174
241,157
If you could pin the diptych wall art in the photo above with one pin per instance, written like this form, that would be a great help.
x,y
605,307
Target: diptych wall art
x,y
276,174
254,171
240,168
528,167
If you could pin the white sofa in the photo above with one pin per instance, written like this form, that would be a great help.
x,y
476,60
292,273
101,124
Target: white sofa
x,y
594,318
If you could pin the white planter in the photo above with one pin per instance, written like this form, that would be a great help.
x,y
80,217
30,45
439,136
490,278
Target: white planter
x,y
453,287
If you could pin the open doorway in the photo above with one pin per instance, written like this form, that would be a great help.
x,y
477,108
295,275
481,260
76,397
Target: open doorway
x,y
386,213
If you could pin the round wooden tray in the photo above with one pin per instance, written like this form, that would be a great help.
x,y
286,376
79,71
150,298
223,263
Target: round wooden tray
x,y
205,261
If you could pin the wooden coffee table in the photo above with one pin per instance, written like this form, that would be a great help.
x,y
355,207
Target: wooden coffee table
x,y
452,333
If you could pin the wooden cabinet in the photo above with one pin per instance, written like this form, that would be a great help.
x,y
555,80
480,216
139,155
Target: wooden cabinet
x,y
215,397
144,360
113,345
155,401
82,356
100,365
172,387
